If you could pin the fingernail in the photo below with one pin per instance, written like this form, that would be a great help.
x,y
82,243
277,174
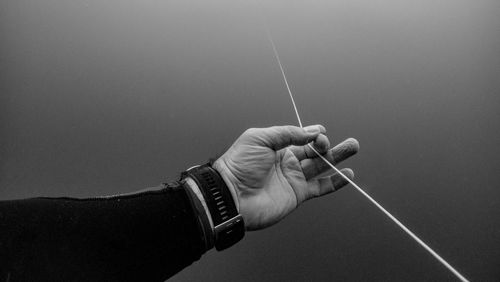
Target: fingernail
x,y
312,129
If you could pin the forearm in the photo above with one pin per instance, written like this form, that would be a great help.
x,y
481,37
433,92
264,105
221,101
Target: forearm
x,y
148,236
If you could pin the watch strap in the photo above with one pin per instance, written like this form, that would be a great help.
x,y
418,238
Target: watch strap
x,y
229,227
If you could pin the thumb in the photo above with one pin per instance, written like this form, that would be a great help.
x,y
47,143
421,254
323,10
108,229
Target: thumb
x,y
279,137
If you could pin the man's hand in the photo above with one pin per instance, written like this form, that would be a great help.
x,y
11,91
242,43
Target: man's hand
x,y
270,171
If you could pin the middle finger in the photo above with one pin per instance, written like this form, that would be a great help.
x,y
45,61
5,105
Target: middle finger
x,y
316,166
321,144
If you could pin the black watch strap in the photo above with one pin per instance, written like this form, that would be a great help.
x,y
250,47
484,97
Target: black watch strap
x,y
229,227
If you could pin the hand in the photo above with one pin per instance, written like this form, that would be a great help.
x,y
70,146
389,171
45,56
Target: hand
x,y
270,171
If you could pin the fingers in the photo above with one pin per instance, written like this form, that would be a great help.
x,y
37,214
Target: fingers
x,y
321,186
321,144
316,166
331,184
279,137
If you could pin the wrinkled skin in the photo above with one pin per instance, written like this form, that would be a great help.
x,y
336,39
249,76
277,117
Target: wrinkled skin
x,y
270,171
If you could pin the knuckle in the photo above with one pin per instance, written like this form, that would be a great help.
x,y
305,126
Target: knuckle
x,y
289,131
250,132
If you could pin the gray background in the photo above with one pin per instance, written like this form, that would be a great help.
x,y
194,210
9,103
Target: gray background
x,y
104,97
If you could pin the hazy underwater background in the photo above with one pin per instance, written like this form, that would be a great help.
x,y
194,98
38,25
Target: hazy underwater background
x,y
104,97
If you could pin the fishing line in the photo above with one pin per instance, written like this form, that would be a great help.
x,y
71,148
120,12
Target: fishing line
x,y
388,214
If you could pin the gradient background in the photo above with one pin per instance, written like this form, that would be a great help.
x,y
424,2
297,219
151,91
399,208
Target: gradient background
x,y
104,97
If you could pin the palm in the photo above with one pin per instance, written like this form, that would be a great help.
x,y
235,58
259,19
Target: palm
x,y
268,182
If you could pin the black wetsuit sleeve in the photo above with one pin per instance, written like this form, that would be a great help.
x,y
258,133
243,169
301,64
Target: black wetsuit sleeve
x,y
147,236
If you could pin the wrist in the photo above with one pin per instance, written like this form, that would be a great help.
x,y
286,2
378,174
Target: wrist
x,y
228,225
196,190
224,172
201,210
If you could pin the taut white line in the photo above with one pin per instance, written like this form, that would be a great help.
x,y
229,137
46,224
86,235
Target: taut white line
x,y
283,73
388,214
